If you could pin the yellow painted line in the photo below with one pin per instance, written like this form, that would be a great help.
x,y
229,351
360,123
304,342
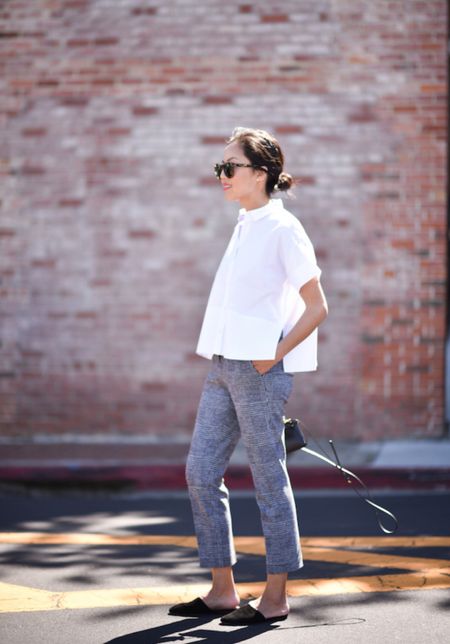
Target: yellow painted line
x,y
22,599
250,545
95,539
427,580
245,544
377,542
370,559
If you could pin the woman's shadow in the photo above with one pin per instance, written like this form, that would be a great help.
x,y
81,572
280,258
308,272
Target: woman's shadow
x,y
180,630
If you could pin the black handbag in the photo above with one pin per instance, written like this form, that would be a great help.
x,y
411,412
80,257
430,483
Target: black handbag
x,y
294,438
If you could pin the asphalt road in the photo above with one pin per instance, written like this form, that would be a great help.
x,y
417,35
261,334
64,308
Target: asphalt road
x,y
95,567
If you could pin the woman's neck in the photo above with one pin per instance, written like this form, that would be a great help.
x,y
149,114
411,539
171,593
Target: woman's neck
x,y
253,203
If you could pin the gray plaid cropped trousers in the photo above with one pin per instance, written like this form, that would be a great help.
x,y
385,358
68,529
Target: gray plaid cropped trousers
x,y
236,402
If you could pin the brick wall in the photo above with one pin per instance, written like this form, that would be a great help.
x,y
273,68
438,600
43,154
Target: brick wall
x,y
113,113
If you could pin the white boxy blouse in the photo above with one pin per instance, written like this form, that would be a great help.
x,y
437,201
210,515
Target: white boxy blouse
x,y
255,294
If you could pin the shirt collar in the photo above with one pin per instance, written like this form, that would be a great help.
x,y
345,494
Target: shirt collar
x,y
253,215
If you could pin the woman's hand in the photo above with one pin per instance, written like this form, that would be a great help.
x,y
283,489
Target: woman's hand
x,y
263,366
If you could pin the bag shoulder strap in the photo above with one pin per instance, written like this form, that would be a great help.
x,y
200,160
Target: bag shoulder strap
x,y
350,477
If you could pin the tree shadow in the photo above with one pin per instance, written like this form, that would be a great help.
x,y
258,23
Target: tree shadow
x,y
444,605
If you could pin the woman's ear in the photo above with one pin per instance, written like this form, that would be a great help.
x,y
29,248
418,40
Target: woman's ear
x,y
261,173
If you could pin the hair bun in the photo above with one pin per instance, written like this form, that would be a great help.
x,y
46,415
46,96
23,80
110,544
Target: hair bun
x,y
284,182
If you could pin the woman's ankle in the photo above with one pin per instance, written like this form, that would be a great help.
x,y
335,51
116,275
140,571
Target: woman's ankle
x,y
270,607
222,599
274,599
223,592
223,581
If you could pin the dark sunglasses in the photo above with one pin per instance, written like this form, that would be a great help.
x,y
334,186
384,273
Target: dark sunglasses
x,y
228,168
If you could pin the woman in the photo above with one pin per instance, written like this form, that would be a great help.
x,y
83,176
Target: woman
x,y
260,326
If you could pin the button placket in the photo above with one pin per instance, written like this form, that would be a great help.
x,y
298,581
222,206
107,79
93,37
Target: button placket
x,y
228,279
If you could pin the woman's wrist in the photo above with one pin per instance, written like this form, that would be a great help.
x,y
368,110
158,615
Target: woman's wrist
x,y
281,351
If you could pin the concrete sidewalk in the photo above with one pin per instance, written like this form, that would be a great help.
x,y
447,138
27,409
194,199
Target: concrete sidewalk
x,y
148,463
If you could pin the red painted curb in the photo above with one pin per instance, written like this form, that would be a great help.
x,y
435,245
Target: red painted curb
x,y
172,477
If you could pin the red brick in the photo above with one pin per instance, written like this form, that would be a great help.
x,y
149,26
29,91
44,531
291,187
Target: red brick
x,y
47,82
288,129
119,131
32,170
144,11
142,110
78,42
106,41
217,100
34,131
43,263
74,101
275,18
86,314
142,234
214,140
435,88
70,203
305,180
209,181
408,244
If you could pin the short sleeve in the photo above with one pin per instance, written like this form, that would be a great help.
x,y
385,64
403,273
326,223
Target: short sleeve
x,y
297,256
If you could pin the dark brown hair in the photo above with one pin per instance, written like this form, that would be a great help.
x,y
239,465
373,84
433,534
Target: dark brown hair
x,y
263,150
